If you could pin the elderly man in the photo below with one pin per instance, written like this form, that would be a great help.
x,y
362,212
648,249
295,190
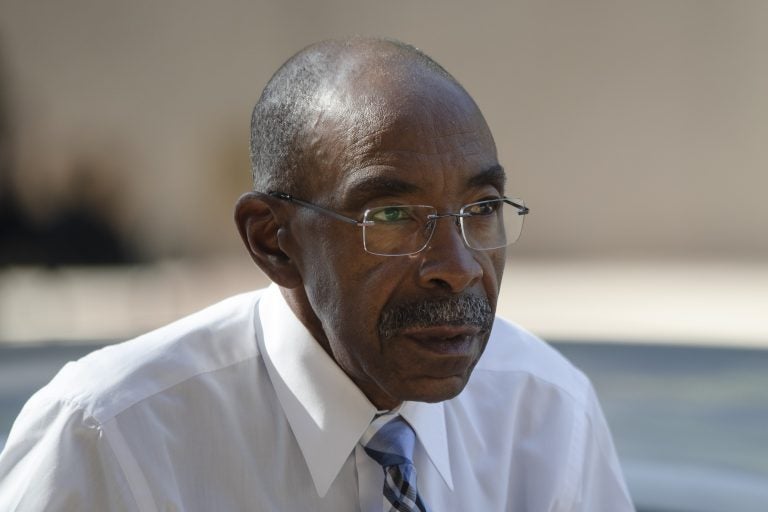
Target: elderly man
x,y
372,375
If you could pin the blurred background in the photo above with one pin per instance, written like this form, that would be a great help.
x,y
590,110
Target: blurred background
x,y
636,131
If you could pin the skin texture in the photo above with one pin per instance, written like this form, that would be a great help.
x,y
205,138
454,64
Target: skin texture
x,y
384,136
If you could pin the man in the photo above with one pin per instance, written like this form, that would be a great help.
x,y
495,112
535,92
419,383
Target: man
x,y
356,381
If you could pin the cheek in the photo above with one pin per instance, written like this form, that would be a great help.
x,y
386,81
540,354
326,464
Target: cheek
x,y
498,261
349,305
339,281
358,296
493,274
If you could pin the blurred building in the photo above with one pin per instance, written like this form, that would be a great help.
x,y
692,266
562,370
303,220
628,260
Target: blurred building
x,y
631,129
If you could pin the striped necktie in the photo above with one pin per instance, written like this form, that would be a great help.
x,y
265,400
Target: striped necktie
x,y
390,442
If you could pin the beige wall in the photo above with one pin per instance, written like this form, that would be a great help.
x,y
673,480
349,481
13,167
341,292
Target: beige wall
x,y
634,128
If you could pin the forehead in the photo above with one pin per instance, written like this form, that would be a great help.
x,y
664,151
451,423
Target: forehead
x,y
424,134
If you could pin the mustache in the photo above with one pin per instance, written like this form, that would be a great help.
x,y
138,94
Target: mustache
x,y
460,310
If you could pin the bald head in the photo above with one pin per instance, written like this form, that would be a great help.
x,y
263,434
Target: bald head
x,y
351,128
351,78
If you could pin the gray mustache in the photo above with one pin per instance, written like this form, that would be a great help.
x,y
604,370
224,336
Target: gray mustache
x,y
460,310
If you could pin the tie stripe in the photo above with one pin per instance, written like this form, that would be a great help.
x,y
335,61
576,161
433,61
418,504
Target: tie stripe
x,y
390,442
399,493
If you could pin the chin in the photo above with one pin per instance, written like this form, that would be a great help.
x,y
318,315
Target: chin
x,y
436,390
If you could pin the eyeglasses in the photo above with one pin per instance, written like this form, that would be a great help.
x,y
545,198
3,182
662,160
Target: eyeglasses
x,y
403,230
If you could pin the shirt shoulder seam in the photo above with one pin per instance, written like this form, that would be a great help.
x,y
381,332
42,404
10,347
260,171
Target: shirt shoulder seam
x,y
582,379
132,403
96,425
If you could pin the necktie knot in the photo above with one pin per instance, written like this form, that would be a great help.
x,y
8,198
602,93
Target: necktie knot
x,y
390,442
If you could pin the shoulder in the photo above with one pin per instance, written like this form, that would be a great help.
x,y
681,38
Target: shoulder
x,y
531,411
513,350
112,379
118,421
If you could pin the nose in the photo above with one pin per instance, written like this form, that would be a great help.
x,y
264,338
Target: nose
x,y
447,263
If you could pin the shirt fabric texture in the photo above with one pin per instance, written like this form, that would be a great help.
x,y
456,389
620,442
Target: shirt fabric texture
x,y
238,408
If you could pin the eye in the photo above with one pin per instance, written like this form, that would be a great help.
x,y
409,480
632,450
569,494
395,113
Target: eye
x,y
391,214
483,208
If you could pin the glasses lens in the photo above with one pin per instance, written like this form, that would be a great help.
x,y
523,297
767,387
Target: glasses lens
x,y
492,224
396,230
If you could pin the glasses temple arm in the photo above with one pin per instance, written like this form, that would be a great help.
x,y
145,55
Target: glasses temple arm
x,y
338,216
521,208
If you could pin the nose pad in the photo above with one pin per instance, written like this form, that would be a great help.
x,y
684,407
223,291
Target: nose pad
x,y
447,262
431,226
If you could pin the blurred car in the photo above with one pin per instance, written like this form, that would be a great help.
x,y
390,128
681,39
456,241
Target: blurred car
x,y
690,423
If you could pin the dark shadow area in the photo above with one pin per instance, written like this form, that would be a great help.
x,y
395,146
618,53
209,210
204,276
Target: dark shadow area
x,y
75,236
77,233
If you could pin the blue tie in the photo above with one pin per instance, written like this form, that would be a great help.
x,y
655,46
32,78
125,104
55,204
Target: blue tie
x,y
390,441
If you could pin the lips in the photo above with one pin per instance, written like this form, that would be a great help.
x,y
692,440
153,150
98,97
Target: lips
x,y
447,340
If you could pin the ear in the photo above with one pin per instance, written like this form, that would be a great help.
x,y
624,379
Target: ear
x,y
258,222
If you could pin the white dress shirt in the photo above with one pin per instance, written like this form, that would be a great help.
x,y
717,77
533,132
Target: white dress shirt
x,y
238,408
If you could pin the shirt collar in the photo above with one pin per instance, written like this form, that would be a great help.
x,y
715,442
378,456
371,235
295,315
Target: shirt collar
x,y
327,412
428,421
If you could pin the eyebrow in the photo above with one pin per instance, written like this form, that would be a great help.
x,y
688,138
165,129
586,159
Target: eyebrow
x,y
494,176
382,185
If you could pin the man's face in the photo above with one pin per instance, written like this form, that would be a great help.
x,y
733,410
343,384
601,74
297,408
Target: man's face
x,y
402,327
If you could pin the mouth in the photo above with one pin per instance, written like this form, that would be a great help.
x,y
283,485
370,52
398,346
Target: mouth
x,y
447,340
